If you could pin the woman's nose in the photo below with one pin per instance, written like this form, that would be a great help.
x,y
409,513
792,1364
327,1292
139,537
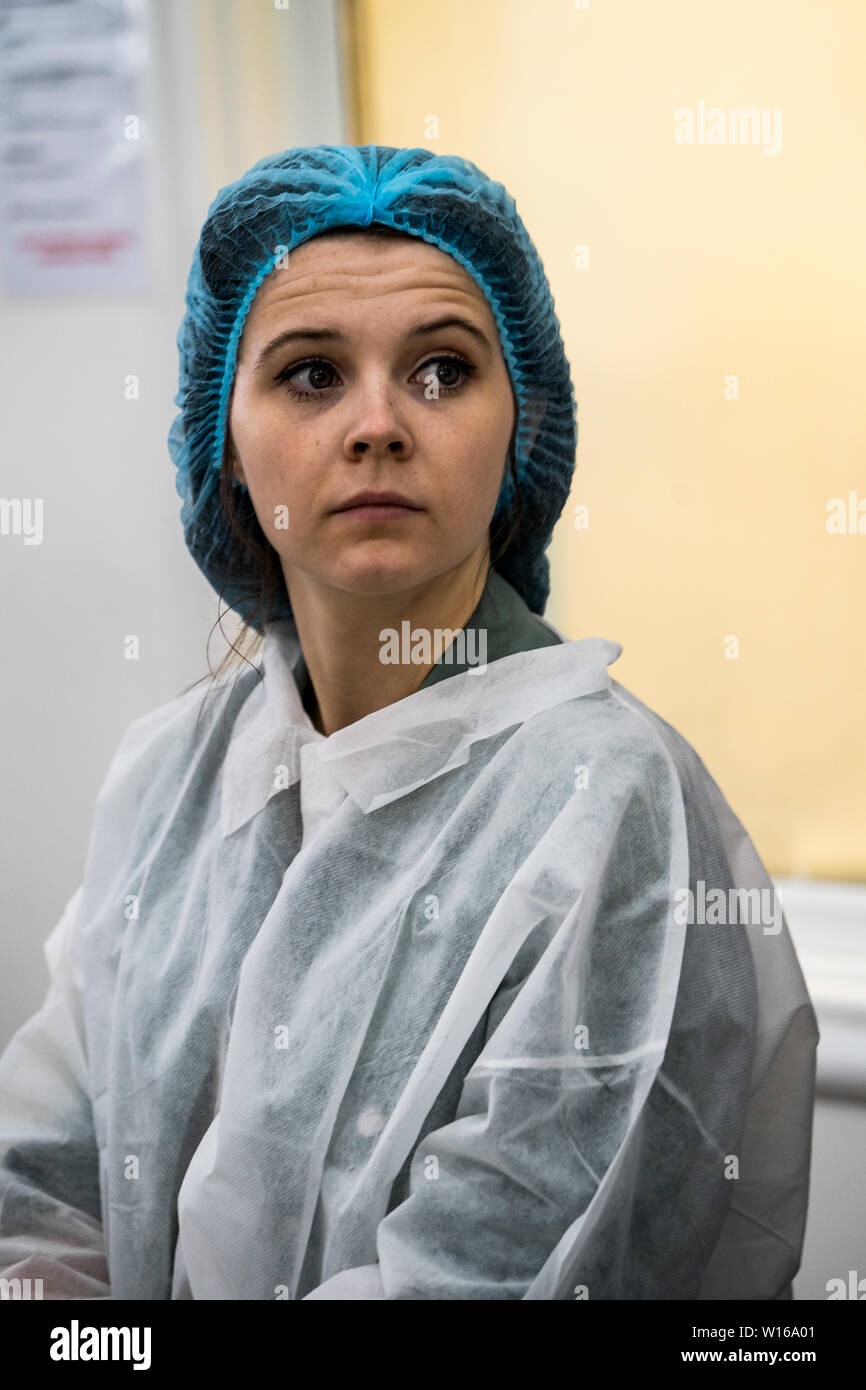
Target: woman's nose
x,y
377,425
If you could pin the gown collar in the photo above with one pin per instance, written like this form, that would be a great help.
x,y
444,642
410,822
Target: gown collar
x,y
393,751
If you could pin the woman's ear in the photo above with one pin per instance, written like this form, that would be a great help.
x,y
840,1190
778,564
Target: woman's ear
x,y
233,460
534,415
534,410
230,452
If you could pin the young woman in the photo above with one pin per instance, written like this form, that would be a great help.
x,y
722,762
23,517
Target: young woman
x,y
421,961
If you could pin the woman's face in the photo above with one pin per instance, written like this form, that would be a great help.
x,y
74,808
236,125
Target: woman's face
x,y
344,384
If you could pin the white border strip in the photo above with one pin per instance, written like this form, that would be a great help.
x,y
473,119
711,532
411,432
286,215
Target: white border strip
x,y
828,926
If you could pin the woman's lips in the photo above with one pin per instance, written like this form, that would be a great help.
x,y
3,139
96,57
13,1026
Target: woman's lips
x,y
379,511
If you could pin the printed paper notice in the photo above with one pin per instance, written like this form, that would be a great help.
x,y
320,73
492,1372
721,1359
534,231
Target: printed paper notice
x,y
72,185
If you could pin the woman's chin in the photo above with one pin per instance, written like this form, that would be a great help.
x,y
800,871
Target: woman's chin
x,y
380,576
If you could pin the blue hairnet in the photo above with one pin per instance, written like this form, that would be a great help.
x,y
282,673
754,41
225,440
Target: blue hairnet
x,y
284,200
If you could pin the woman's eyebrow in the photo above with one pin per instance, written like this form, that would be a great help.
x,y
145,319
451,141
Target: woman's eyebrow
x,y
453,321
335,336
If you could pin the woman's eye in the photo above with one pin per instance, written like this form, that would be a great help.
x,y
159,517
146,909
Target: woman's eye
x,y
315,372
447,376
440,376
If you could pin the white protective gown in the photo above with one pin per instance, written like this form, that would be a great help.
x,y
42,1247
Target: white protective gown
x,y
410,1012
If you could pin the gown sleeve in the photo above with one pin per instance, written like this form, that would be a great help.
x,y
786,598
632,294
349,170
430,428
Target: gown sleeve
x,y
549,1113
51,1222
637,1124
50,1211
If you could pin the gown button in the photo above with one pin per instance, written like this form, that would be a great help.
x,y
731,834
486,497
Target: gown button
x,y
370,1121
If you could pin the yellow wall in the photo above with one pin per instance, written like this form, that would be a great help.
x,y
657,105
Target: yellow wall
x,y
707,513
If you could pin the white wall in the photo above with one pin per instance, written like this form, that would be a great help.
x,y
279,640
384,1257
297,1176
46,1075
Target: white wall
x,y
828,924
113,561
836,1224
